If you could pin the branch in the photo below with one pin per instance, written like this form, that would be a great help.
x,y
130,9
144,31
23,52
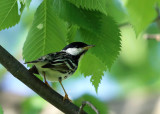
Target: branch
x,y
90,104
152,36
21,73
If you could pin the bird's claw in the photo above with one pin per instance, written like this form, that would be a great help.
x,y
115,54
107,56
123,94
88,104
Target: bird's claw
x,y
66,97
47,84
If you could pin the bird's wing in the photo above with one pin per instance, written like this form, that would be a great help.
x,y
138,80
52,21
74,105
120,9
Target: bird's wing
x,y
60,62
61,67
45,58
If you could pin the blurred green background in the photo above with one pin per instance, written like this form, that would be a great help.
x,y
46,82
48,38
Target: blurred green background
x,y
130,87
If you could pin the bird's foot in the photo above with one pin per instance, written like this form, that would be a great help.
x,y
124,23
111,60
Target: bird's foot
x,y
47,84
66,97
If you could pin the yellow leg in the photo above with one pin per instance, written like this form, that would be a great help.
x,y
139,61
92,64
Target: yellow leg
x,y
66,95
45,81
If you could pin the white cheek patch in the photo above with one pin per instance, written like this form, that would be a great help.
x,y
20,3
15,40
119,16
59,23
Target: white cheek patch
x,y
74,51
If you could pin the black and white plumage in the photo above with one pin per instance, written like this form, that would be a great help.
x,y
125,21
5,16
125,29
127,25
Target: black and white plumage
x,y
61,64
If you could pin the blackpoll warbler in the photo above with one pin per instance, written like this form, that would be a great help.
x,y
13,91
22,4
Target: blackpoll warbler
x,y
60,65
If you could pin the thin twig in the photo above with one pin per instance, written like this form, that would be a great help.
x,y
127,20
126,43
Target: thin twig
x,y
152,36
21,73
157,20
88,103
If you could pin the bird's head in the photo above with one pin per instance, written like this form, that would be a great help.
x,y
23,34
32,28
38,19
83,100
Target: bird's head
x,y
77,48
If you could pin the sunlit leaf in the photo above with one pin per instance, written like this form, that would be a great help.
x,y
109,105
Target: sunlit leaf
x,y
72,30
94,28
91,65
141,13
116,9
106,50
97,29
107,41
86,19
99,5
47,34
8,13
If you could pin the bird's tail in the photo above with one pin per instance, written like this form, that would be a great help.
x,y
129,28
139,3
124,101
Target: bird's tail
x,y
34,70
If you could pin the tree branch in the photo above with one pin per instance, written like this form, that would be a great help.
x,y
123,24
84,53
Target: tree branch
x,y
21,73
152,37
89,104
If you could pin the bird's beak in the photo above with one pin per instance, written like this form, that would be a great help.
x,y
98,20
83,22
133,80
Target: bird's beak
x,y
88,47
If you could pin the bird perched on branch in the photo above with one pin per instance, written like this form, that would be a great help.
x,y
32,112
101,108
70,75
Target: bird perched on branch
x,y
60,65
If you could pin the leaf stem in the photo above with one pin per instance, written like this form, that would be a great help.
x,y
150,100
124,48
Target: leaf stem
x,y
88,103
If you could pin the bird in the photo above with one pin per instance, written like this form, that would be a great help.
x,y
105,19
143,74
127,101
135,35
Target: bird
x,y
58,66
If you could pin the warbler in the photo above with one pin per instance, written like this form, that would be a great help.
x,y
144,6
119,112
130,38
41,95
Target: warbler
x,y
60,65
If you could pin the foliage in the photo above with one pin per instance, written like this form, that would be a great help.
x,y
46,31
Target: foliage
x,y
115,9
95,70
141,17
100,22
44,33
9,13
59,22
98,5
106,38
48,29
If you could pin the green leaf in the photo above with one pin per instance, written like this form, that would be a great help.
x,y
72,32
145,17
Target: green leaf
x,y
141,13
8,13
99,5
47,34
72,30
1,110
91,65
107,41
95,28
86,19
92,26
116,9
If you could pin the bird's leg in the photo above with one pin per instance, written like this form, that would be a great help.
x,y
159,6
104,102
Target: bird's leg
x,y
66,95
45,81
